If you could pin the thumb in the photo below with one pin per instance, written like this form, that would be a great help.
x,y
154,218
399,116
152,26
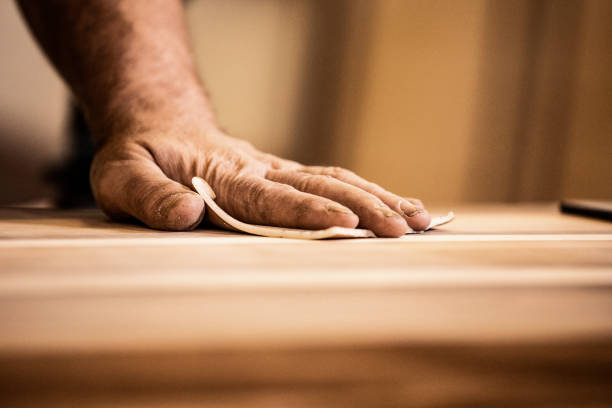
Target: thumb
x,y
138,188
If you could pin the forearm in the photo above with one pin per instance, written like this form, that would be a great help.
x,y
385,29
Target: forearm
x,y
127,62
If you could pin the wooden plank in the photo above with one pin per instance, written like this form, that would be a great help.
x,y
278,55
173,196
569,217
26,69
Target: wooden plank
x,y
563,374
22,223
103,314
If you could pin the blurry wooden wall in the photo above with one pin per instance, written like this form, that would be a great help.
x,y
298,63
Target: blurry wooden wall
x,y
482,99
446,100
588,161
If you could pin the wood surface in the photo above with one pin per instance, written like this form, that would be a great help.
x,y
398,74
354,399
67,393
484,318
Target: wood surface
x,y
506,306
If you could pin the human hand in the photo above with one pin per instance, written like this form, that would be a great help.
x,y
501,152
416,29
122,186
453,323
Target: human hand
x,y
129,66
145,176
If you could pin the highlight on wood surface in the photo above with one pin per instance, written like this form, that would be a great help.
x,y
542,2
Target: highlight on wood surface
x,y
229,222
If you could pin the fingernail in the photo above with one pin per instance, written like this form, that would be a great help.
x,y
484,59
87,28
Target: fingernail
x,y
387,212
408,209
338,208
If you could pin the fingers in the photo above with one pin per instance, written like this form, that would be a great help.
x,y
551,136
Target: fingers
x,y
412,210
373,213
138,188
256,200
415,201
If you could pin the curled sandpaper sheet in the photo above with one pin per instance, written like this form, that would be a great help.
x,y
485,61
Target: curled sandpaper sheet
x,y
223,219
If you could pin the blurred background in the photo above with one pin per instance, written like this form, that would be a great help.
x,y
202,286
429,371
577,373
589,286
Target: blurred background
x,y
448,101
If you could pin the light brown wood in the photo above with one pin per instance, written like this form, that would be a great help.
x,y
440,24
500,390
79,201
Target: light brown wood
x,y
103,314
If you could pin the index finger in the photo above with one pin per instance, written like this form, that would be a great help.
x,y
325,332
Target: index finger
x,y
415,215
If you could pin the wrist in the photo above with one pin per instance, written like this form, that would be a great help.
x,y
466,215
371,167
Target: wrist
x,y
156,109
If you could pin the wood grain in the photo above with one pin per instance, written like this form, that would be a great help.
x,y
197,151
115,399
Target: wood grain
x,y
505,298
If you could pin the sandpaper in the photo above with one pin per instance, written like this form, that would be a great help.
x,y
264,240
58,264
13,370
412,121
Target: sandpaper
x,y
219,217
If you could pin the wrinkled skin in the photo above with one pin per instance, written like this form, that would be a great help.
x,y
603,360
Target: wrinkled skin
x,y
146,176
129,66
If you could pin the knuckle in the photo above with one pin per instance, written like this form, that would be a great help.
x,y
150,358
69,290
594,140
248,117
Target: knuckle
x,y
337,172
289,164
286,188
256,193
313,183
306,182
303,209
253,198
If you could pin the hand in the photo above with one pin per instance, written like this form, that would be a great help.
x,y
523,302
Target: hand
x,y
145,176
129,66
